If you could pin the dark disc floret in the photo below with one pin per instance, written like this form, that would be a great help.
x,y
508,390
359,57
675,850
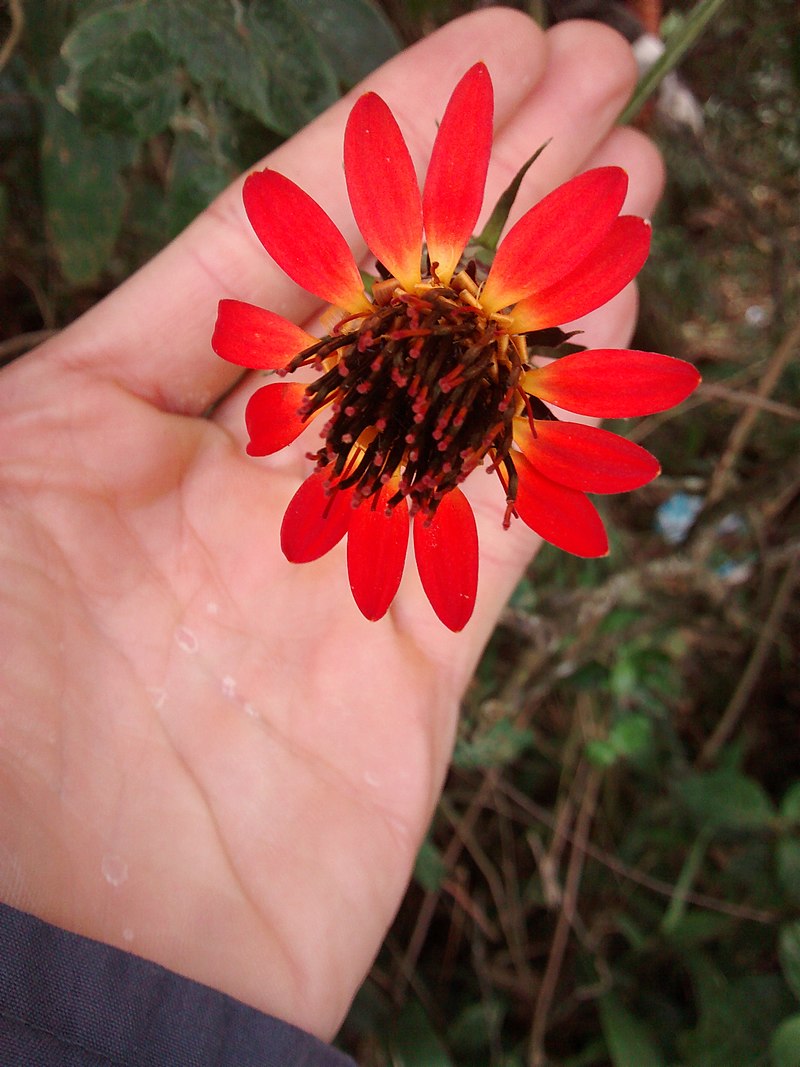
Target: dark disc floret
x,y
426,385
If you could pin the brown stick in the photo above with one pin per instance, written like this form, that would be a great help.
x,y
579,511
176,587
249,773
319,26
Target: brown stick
x,y
718,391
744,425
633,874
428,906
14,34
752,672
537,1056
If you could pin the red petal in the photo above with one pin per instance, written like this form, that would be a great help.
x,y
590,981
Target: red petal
x,y
553,237
602,274
613,383
272,418
251,336
302,240
585,457
562,516
376,552
446,550
383,188
315,520
457,170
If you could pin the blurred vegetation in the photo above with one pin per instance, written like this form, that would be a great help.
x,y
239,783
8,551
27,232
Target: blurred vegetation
x,y
613,876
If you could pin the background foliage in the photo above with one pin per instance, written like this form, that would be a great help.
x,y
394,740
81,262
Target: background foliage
x,y
613,875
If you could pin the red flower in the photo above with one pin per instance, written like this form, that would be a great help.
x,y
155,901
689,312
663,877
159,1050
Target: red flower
x,y
429,376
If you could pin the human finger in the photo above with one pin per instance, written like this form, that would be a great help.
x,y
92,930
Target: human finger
x,y
589,77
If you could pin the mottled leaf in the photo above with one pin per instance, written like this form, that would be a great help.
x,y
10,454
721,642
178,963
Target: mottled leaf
x,y
84,196
133,88
354,34
197,174
500,744
263,56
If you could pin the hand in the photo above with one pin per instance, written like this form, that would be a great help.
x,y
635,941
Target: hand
x,y
207,756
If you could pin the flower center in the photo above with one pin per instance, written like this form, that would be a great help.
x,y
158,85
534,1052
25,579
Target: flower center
x,y
421,388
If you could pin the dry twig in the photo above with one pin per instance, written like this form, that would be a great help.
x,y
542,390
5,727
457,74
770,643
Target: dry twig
x,y
744,425
14,34
633,874
752,672
566,917
719,391
427,909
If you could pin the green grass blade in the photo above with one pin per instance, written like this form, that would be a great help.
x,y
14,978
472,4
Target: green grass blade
x,y
677,46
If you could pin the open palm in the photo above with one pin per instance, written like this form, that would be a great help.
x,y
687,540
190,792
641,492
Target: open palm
x,y
207,756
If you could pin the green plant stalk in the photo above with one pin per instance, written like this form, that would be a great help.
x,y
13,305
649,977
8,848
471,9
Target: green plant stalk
x,y
677,905
489,237
678,45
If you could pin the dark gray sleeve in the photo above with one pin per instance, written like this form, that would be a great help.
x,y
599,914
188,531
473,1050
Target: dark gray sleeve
x,y
68,1001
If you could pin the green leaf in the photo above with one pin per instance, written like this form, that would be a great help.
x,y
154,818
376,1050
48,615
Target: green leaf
x,y
784,1045
601,753
693,928
787,860
590,677
102,31
83,193
620,618
624,677
725,799
133,88
262,56
355,35
631,735
429,870
789,955
371,1010
472,1030
197,174
415,1042
790,805
591,1055
735,1018
501,744
630,1044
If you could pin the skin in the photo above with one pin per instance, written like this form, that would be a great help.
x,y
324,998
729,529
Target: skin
x,y
207,756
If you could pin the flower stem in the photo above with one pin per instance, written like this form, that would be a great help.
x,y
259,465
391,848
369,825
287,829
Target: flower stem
x,y
677,45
